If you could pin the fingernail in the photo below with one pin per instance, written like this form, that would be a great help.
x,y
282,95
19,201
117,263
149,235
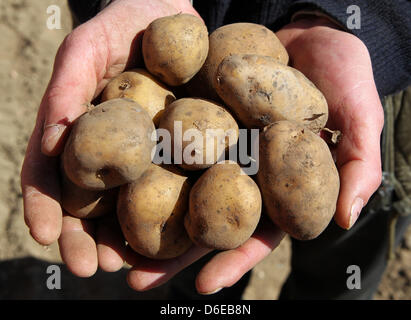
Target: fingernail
x,y
211,292
355,211
51,135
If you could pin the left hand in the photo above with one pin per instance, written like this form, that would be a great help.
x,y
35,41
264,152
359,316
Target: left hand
x,y
339,64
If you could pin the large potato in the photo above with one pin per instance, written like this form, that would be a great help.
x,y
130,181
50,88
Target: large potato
x,y
86,204
213,131
224,209
151,212
175,47
142,87
235,38
259,90
109,146
297,178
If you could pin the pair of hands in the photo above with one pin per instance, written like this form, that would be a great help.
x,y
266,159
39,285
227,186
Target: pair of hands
x,y
336,61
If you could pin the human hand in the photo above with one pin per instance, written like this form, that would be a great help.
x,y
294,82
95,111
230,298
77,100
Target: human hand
x,y
88,58
338,63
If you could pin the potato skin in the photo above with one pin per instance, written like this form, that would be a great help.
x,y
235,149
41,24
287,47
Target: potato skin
x,y
86,204
201,115
175,47
297,178
235,38
142,87
224,207
259,91
109,146
151,211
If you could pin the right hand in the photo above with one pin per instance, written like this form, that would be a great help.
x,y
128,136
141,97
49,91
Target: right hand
x,y
88,58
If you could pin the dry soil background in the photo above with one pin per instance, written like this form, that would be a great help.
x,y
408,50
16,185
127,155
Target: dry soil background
x,y
26,56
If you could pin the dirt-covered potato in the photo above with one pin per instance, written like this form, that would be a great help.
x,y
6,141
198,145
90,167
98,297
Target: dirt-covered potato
x,y
142,87
201,132
235,38
151,213
86,204
109,145
224,208
259,91
297,178
175,47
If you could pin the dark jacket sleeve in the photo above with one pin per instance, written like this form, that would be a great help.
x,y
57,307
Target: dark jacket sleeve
x,y
83,10
385,29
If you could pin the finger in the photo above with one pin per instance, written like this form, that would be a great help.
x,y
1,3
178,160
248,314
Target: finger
x,y
358,182
77,247
359,166
73,84
147,273
227,267
41,191
111,245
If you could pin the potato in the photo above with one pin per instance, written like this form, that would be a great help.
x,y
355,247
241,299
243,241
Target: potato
x,y
297,178
175,47
259,91
151,212
224,208
109,146
213,131
86,204
236,38
142,87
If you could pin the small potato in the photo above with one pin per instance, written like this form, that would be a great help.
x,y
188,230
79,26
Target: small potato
x,y
109,146
151,213
259,91
201,131
224,208
86,204
175,47
297,178
142,87
235,38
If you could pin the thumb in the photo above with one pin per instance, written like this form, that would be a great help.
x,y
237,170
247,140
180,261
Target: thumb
x,y
359,180
358,158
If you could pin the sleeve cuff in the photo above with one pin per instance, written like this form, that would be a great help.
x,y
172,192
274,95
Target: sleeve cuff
x,y
317,13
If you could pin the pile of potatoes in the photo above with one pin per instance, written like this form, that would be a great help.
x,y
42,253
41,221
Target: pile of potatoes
x,y
235,78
